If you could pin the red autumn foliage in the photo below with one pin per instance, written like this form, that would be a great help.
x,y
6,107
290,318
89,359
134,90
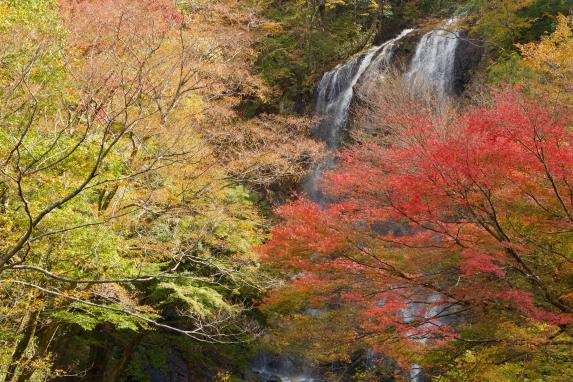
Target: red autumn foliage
x,y
455,219
477,262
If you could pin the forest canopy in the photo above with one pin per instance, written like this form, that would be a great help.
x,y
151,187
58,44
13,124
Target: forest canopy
x,y
155,217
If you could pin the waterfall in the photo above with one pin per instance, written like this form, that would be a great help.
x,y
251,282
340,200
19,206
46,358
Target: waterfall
x,y
375,73
336,88
335,92
431,316
281,368
432,67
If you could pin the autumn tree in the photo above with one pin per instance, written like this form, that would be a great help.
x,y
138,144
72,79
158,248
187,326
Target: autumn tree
x,y
117,219
551,61
455,238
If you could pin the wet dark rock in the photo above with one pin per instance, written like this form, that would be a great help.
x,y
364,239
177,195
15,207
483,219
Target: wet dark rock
x,y
175,370
469,53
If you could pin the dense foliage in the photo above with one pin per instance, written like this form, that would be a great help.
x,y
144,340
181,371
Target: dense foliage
x,y
119,221
448,242
143,142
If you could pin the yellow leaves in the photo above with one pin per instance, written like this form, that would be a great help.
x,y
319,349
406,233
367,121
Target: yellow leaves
x,y
4,11
129,112
528,336
331,4
195,106
473,366
7,234
520,352
223,376
552,59
554,51
272,28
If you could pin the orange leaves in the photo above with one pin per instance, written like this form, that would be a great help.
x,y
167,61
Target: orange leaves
x,y
97,19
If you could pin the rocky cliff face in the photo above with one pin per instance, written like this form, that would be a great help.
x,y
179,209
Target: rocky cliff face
x,y
469,53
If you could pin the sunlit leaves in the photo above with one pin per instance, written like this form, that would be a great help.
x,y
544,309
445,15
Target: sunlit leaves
x,y
551,58
115,214
469,213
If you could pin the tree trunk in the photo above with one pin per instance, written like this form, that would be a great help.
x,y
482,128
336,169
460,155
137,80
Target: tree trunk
x,y
29,324
115,373
45,337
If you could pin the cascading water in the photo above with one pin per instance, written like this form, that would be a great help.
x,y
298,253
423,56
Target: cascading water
x,y
432,67
281,368
336,88
374,75
432,70
334,96
431,318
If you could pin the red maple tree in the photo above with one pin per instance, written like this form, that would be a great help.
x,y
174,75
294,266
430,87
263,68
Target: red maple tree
x,y
457,219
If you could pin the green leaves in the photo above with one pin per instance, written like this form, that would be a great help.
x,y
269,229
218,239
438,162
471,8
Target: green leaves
x,y
201,301
113,206
89,317
315,35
